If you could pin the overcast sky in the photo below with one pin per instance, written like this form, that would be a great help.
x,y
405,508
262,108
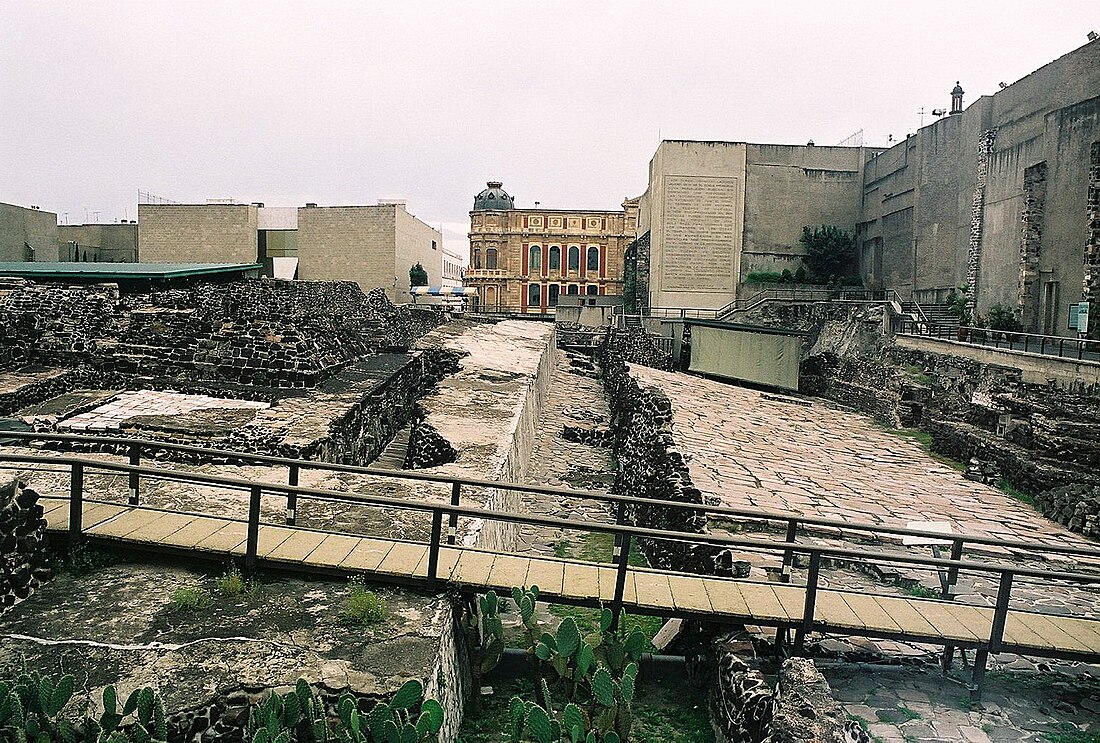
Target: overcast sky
x,y
348,103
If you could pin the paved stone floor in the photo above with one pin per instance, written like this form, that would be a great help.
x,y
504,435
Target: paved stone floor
x,y
126,405
573,397
903,703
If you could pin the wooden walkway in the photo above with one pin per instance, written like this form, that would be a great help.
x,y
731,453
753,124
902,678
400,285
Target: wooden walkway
x,y
645,590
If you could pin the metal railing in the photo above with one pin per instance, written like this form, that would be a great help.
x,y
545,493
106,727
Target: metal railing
x,y
1082,349
623,533
790,294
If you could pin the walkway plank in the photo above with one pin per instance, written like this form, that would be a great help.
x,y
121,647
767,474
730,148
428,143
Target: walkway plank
x,y
296,547
644,588
764,603
653,589
229,538
870,612
548,575
332,551
688,594
473,568
832,610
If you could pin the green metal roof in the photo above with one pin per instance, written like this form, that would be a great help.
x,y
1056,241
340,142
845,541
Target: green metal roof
x,y
105,271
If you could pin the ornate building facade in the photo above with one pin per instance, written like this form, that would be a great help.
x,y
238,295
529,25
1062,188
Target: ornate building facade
x,y
522,260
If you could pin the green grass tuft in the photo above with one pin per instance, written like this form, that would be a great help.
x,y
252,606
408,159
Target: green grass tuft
x,y
233,584
362,605
191,599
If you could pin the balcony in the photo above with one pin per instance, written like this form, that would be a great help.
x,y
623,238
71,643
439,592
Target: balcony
x,y
485,273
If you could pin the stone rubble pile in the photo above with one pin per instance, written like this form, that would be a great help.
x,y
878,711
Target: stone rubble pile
x,y
24,563
1076,506
801,707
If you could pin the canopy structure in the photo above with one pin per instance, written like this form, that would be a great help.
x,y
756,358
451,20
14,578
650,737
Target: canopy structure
x,y
444,291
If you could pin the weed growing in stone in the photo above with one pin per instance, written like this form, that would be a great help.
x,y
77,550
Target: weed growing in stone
x,y
362,605
1069,734
1006,487
233,584
191,599
82,559
921,591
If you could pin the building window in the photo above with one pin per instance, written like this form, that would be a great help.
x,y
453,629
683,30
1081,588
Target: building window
x,y
593,258
533,295
592,290
534,260
477,259
552,294
434,247
555,258
573,289
574,258
491,258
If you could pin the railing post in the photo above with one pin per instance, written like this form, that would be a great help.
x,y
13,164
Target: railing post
x,y
135,478
811,600
1080,349
252,542
292,496
788,555
620,583
1000,612
1026,339
1042,345
76,502
452,518
433,546
953,571
620,519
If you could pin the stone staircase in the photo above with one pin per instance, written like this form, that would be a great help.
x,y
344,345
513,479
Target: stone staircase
x,y
393,456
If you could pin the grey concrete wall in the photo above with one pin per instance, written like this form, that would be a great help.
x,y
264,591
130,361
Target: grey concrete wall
x,y
695,204
351,243
104,242
1036,369
788,187
762,358
197,233
20,226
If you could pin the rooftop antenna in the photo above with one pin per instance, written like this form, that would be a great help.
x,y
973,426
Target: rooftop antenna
x,y
921,112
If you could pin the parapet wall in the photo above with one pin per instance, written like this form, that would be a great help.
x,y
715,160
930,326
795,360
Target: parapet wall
x,y
488,411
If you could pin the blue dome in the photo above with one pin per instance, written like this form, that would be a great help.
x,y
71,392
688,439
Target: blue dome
x,y
493,198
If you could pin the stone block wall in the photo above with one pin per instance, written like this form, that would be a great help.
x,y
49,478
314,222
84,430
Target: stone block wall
x,y
1031,240
651,466
197,233
1091,289
24,563
262,333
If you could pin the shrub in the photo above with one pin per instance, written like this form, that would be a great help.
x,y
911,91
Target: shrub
x,y
418,276
830,251
800,275
363,606
1002,317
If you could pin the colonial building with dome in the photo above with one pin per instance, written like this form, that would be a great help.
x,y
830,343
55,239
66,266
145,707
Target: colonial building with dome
x,y
522,260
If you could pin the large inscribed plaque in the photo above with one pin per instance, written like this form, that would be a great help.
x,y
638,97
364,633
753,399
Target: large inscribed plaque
x,y
701,222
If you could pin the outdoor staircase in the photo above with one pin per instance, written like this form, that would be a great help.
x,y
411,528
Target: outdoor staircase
x,y
938,315
393,456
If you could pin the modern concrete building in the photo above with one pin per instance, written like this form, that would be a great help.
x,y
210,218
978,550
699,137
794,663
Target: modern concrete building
x,y
27,234
99,243
372,245
198,233
716,211
1002,196
522,260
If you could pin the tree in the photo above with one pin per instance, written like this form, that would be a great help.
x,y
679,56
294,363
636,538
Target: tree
x,y
418,276
830,251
